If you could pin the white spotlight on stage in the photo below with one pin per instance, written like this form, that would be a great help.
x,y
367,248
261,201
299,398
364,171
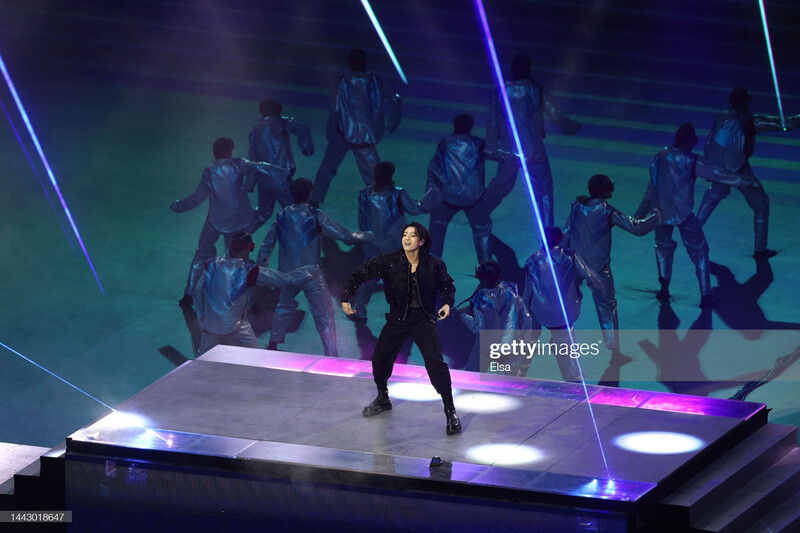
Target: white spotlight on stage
x,y
659,442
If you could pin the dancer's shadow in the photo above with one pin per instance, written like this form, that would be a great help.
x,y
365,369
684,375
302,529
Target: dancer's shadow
x,y
338,264
507,258
738,302
678,360
193,325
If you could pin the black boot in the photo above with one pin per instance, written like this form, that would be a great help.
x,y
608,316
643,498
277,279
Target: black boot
x,y
453,423
380,404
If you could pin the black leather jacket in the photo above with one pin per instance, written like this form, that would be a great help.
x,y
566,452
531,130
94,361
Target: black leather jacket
x,y
395,270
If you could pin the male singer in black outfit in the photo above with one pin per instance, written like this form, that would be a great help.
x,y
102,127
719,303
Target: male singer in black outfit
x,y
411,277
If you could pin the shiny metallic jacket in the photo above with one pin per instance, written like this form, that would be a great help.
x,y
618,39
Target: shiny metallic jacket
x,y
539,293
588,229
529,102
395,270
732,138
671,187
357,114
225,183
222,295
298,230
270,142
458,170
383,213
499,308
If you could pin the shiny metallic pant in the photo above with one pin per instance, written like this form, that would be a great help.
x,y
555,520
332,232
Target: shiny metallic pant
x,y
241,336
606,305
542,181
755,197
366,158
206,249
479,221
319,301
696,246
268,192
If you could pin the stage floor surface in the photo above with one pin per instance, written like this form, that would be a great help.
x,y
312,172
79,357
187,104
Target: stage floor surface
x,y
519,434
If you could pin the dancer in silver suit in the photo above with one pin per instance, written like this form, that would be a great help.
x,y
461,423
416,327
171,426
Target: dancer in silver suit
x,y
270,142
671,189
222,295
540,293
730,144
298,230
496,305
588,232
457,174
356,122
529,103
381,209
225,183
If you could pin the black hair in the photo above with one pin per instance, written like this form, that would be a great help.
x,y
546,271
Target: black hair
x,y
270,108
463,123
553,236
489,273
383,173
241,242
600,186
422,233
301,190
685,136
740,99
223,148
357,59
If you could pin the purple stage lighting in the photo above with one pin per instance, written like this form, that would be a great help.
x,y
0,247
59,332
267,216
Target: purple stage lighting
x,y
501,87
50,174
384,40
772,62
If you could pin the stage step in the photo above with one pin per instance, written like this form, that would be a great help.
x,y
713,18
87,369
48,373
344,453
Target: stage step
x,y
755,500
39,485
785,518
730,472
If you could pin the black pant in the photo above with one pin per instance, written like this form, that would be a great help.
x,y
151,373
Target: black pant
x,y
423,333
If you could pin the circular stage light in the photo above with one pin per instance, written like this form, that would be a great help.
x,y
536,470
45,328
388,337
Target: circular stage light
x,y
504,454
415,392
659,442
484,402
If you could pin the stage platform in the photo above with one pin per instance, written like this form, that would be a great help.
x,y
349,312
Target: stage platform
x,y
242,438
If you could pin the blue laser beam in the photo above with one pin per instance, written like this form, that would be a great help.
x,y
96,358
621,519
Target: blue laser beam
x,y
101,402
35,172
772,62
37,365
501,84
384,40
47,168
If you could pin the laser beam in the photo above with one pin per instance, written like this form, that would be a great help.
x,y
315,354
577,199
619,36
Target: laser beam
x,y
36,173
501,85
37,365
384,40
101,402
772,62
47,168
